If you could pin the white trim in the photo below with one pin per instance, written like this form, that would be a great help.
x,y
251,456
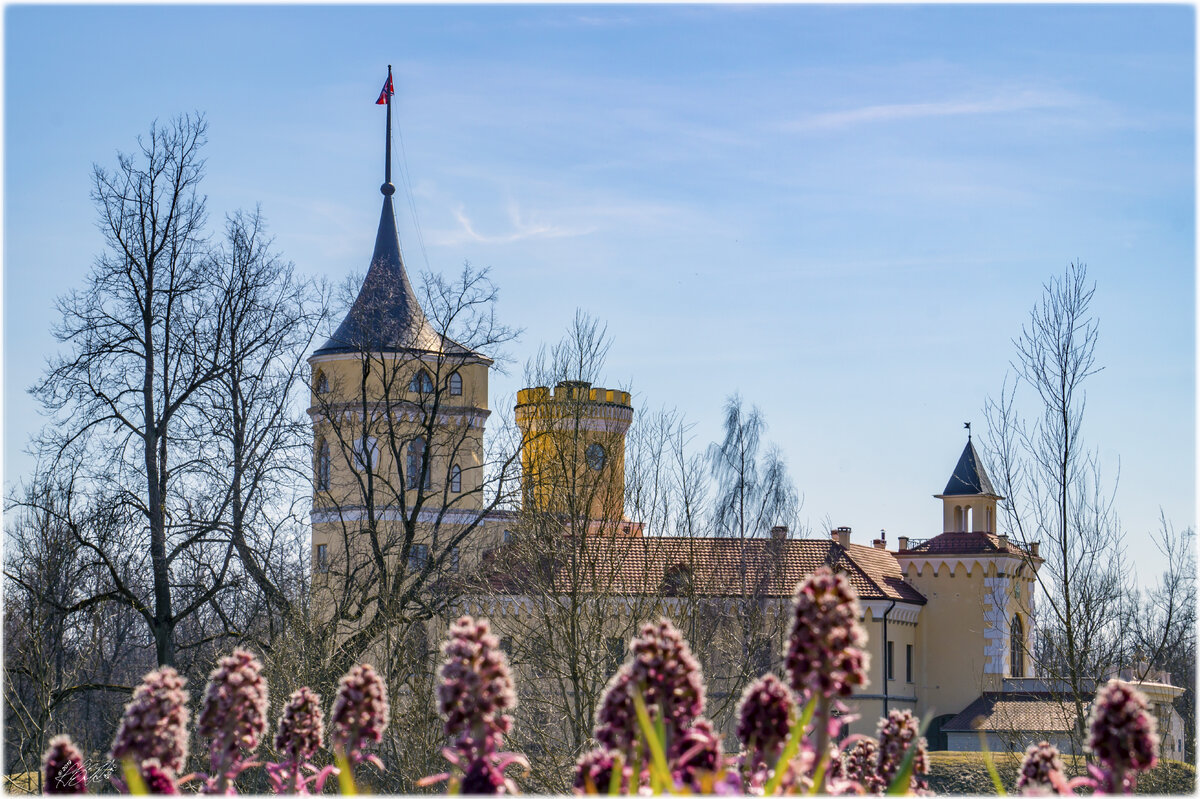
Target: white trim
x,y
333,516
902,612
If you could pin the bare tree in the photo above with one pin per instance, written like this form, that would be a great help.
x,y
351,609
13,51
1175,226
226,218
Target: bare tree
x,y
255,471
1057,496
64,667
753,490
139,340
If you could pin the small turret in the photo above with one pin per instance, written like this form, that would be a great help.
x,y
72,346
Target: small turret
x,y
969,501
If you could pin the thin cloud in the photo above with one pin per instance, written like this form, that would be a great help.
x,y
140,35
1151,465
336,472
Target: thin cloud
x,y
891,112
522,229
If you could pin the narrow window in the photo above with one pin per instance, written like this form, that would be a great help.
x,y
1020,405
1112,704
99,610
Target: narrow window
x,y
908,663
614,653
889,661
453,559
418,556
322,383
416,461
421,383
322,557
506,646
508,536
455,479
1016,647
323,466
456,385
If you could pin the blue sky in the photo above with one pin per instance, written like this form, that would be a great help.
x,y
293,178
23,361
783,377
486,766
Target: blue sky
x,y
843,213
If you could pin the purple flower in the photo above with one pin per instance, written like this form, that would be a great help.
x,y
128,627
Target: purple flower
x,y
859,763
666,674
594,772
694,753
234,715
1123,734
764,716
62,767
476,688
899,731
360,714
159,781
825,655
301,728
155,722
1041,760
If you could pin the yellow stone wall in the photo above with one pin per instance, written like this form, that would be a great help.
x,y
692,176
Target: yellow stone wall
x,y
560,430
457,440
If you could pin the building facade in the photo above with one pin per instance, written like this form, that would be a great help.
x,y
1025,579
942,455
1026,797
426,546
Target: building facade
x,y
405,496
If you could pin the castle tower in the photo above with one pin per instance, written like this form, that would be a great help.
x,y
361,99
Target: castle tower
x,y
397,407
969,501
573,449
974,633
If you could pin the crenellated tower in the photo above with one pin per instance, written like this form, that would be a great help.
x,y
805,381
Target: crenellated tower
x,y
573,449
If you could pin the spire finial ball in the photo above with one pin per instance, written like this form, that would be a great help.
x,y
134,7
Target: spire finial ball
x,y
387,189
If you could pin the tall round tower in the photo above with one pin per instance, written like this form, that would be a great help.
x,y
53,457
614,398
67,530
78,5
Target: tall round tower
x,y
573,449
398,411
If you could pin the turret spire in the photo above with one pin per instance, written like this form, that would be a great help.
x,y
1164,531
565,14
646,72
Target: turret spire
x,y
388,189
386,315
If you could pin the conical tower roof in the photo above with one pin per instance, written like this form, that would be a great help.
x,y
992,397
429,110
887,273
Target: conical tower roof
x,y
385,316
969,476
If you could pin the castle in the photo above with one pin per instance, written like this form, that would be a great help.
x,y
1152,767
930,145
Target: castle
x,y
406,504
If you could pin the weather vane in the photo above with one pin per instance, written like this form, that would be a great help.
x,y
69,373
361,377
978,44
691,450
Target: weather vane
x,y
968,426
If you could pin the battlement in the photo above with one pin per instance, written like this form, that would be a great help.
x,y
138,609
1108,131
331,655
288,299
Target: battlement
x,y
573,391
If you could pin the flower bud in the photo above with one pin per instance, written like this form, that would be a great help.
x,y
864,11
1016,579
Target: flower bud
x,y
825,655
63,770
155,722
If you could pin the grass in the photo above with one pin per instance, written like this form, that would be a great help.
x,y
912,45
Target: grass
x,y
966,773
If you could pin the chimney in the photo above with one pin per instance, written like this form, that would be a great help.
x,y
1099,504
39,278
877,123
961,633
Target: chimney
x,y
1003,543
1033,548
881,542
842,536
779,532
903,543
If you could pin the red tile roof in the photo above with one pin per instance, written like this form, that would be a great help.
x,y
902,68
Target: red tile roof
x,y
713,566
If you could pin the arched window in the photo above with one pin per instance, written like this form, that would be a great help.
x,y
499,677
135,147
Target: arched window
x,y
421,383
323,466
455,479
456,385
1016,648
416,457
322,383
366,450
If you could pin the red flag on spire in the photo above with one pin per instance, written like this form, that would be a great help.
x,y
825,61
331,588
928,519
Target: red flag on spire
x,y
387,92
